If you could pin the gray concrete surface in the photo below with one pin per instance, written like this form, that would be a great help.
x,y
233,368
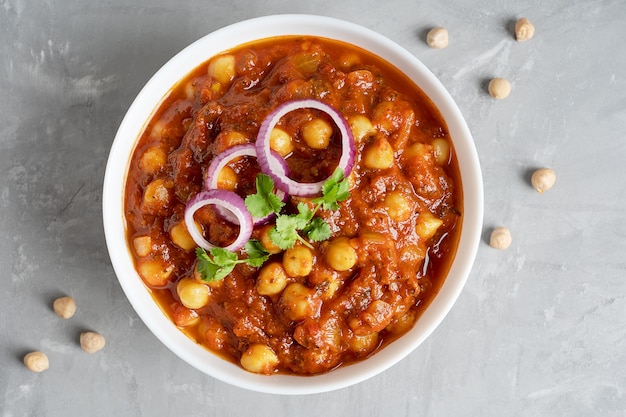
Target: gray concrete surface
x,y
538,331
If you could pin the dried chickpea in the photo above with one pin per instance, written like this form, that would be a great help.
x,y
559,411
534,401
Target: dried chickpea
x,y
222,68
36,361
227,179
298,261
340,255
91,342
142,245
524,30
272,279
499,88
543,179
378,155
500,238
181,237
317,133
259,359
192,294
281,142
437,38
64,307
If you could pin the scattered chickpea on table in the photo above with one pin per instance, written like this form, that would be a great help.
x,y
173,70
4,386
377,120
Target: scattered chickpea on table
x,y
91,342
36,361
500,238
543,179
437,38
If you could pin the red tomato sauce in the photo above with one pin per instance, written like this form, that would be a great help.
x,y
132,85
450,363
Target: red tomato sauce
x,y
402,220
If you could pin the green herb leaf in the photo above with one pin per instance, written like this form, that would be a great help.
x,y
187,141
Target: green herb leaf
x,y
285,233
334,190
264,201
304,216
318,230
257,255
216,266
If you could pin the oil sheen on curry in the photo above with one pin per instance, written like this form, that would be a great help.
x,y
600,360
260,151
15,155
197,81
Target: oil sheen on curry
x,y
294,204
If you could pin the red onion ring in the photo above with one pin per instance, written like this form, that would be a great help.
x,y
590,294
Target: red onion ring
x,y
271,166
221,160
227,200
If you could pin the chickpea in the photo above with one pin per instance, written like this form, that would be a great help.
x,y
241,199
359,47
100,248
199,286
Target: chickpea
x,y
379,155
281,142
183,316
222,69
36,361
403,323
64,307
398,206
298,302
266,240
152,160
441,150
227,179
524,30
418,150
142,245
499,88
259,359
157,193
272,279
91,342
192,294
437,38
157,129
229,138
317,133
500,238
349,60
543,179
298,261
427,225
340,255
154,272
181,237
361,127
363,344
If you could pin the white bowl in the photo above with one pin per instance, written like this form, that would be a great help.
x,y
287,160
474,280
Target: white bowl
x,y
149,98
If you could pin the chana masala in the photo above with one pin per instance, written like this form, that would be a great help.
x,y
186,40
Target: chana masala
x,y
376,241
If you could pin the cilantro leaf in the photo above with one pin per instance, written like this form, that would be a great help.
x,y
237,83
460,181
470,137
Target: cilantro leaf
x,y
305,214
264,201
257,255
216,266
334,190
285,233
318,230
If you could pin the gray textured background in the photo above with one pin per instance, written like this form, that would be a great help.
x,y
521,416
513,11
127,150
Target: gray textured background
x,y
539,329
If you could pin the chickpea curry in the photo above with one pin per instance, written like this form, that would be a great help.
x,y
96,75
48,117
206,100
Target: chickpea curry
x,y
294,204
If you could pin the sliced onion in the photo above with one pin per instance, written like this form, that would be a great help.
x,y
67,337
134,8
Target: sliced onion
x,y
222,199
271,165
221,160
